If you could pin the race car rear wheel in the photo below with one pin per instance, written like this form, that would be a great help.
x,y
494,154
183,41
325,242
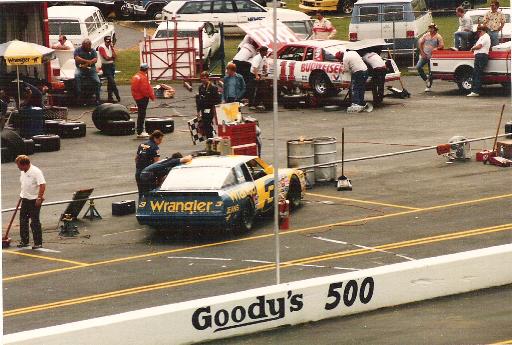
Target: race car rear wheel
x,y
346,6
464,79
466,4
246,220
321,84
294,193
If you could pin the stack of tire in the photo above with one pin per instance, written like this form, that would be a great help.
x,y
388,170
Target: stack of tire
x,y
113,119
13,144
66,129
164,124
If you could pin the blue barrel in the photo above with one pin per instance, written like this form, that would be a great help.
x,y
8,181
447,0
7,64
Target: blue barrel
x,y
31,122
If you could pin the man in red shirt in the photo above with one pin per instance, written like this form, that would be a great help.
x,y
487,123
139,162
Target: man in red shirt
x,y
142,92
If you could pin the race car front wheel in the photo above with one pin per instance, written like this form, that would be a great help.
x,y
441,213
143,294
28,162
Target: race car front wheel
x,y
321,84
294,193
246,220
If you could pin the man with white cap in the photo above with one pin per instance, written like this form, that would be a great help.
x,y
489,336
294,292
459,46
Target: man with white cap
x,y
142,92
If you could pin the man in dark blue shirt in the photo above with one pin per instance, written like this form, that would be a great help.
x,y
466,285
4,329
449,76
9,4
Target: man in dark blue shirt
x,y
151,176
85,61
147,154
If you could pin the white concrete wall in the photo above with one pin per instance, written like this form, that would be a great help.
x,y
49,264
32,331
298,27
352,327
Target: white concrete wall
x,y
287,304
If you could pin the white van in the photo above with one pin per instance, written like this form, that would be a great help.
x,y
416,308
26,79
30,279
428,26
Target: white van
x,y
400,22
78,23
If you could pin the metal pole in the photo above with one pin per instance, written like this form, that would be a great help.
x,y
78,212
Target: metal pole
x,y
276,161
18,81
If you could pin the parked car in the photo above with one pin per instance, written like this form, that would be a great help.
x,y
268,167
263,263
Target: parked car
x,y
311,64
400,22
453,4
79,23
229,12
208,35
457,66
238,188
151,9
107,7
477,16
343,6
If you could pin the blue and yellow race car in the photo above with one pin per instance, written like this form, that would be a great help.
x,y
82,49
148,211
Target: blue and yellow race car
x,y
219,191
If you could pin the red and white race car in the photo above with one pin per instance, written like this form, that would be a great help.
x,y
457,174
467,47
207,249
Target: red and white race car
x,y
311,64
457,66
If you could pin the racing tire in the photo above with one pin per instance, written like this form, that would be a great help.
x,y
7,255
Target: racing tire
x,y
120,127
321,85
466,4
464,80
293,101
52,126
164,124
153,12
46,143
30,146
72,129
6,155
294,194
106,112
13,141
246,220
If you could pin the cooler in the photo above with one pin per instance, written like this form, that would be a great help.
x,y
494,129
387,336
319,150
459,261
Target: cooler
x,y
240,134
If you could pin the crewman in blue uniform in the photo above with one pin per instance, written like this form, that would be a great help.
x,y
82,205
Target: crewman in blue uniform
x,y
151,176
147,154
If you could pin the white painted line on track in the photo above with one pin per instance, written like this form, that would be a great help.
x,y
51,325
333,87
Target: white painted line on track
x,y
315,266
198,258
363,247
47,250
121,232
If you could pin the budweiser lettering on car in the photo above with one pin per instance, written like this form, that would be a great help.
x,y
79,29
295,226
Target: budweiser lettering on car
x,y
457,66
311,64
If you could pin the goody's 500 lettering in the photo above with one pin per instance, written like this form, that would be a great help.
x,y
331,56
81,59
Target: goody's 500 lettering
x,y
351,291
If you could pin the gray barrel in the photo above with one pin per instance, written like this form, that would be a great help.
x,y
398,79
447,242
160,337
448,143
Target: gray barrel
x,y
301,153
325,152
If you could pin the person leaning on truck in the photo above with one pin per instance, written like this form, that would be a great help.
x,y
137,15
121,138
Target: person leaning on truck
x,y
63,44
494,20
465,31
429,42
481,51
85,61
323,28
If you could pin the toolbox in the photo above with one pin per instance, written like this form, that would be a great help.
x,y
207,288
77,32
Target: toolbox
x,y
124,207
484,155
500,161
504,148
247,149
240,134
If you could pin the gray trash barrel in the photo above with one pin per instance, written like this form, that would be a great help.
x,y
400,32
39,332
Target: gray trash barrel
x,y
301,153
325,152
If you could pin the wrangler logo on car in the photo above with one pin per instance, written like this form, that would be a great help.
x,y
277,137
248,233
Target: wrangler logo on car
x,y
242,194
184,206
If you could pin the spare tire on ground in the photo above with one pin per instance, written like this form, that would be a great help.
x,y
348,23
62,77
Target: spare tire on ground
x,y
13,141
52,126
72,129
7,155
120,127
47,142
164,124
30,146
104,113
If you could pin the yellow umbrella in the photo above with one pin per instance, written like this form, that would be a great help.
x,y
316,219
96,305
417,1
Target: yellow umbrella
x,y
19,53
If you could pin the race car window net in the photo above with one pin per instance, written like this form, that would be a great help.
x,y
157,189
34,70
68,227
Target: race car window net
x,y
198,178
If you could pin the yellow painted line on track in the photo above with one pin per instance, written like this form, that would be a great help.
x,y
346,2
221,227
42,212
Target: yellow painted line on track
x,y
260,268
363,201
45,257
258,237
503,342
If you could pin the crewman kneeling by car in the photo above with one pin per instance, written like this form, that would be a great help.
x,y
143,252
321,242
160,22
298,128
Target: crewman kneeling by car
x,y
151,176
147,154
353,63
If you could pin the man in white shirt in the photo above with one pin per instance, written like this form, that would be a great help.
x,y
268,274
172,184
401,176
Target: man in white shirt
x,y
465,30
258,70
323,28
247,49
481,51
63,44
377,71
108,56
354,64
33,186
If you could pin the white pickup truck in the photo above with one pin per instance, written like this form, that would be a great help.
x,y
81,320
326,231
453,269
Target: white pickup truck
x,y
457,66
